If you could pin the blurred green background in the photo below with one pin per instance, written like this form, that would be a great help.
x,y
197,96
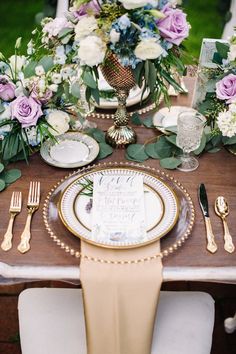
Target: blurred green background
x,y
18,19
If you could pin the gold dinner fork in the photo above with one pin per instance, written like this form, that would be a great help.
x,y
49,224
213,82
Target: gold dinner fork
x,y
32,206
15,208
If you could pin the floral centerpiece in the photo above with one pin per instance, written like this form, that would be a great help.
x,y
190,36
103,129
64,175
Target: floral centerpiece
x,y
219,105
144,37
36,98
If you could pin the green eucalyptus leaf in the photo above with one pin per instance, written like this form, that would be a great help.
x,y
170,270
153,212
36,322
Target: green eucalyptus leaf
x,y
217,58
30,69
150,150
46,62
137,152
170,163
1,167
2,185
172,139
148,122
96,95
89,80
135,119
98,135
215,149
229,141
12,175
105,150
75,89
164,148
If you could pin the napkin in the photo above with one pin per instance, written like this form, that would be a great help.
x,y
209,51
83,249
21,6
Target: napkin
x,y
120,288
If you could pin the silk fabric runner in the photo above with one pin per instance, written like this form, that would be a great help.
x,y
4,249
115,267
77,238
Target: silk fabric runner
x,y
120,300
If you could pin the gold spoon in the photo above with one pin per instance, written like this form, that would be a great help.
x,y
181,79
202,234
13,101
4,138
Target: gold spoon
x,y
222,210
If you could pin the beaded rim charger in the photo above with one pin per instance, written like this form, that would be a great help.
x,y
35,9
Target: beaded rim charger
x,y
175,239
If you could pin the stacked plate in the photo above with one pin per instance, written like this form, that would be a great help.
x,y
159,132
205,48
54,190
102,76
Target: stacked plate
x,y
161,206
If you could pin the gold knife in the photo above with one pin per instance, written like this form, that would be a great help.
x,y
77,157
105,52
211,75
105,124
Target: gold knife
x,y
203,201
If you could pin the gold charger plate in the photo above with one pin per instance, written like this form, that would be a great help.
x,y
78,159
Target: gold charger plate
x,y
70,244
161,207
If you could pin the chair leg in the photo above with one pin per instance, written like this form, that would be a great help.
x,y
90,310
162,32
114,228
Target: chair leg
x,y
230,324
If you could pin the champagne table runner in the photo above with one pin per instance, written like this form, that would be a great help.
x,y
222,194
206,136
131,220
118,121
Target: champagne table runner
x,y
120,300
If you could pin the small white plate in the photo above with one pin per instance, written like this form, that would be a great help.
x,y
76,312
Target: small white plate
x,y
71,150
167,117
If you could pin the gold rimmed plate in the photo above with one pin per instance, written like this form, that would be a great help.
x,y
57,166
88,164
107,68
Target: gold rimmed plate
x,y
161,206
72,150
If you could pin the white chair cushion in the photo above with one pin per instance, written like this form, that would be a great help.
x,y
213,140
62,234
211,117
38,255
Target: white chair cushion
x,y
52,322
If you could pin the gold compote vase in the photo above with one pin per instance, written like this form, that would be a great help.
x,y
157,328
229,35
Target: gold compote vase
x,y
122,80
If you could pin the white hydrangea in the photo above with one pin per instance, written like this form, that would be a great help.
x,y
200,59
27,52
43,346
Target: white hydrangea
x,y
53,27
59,121
85,27
227,121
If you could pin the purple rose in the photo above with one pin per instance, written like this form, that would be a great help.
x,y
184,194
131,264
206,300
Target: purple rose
x,y
92,6
226,88
7,89
174,27
26,110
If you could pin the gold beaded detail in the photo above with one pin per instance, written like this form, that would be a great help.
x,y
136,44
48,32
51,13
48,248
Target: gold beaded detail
x,y
78,254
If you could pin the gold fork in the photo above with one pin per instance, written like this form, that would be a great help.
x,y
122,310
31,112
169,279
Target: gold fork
x,y
32,206
15,208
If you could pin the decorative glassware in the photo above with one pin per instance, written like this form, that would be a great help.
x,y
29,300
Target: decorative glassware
x,y
122,80
189,133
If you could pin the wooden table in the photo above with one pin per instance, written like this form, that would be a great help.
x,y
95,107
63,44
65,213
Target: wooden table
x,y
45,260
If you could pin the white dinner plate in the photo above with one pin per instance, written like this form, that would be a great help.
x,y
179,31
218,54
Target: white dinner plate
x,y
70,151
161,208
167,117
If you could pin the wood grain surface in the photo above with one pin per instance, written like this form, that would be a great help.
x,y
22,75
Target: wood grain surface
x,y
217,171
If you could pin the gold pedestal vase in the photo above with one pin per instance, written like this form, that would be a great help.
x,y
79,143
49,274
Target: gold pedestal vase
x,y
122,80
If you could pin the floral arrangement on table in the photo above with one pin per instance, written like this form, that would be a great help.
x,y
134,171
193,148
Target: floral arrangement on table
x,y
38,100
39,90
145,35
219,105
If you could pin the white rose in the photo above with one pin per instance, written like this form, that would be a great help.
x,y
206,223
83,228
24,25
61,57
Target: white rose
x,y
148,49
114,36
92,51
134,4
59,121
39,70
85,27
232,52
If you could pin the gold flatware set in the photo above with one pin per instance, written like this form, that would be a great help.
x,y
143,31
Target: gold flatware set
x,y
222,210
15,208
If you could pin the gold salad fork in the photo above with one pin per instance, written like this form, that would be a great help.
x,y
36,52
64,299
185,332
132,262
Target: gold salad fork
x,y
15,208
32,206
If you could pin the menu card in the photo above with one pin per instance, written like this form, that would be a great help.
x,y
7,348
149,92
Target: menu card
x,y
118,208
